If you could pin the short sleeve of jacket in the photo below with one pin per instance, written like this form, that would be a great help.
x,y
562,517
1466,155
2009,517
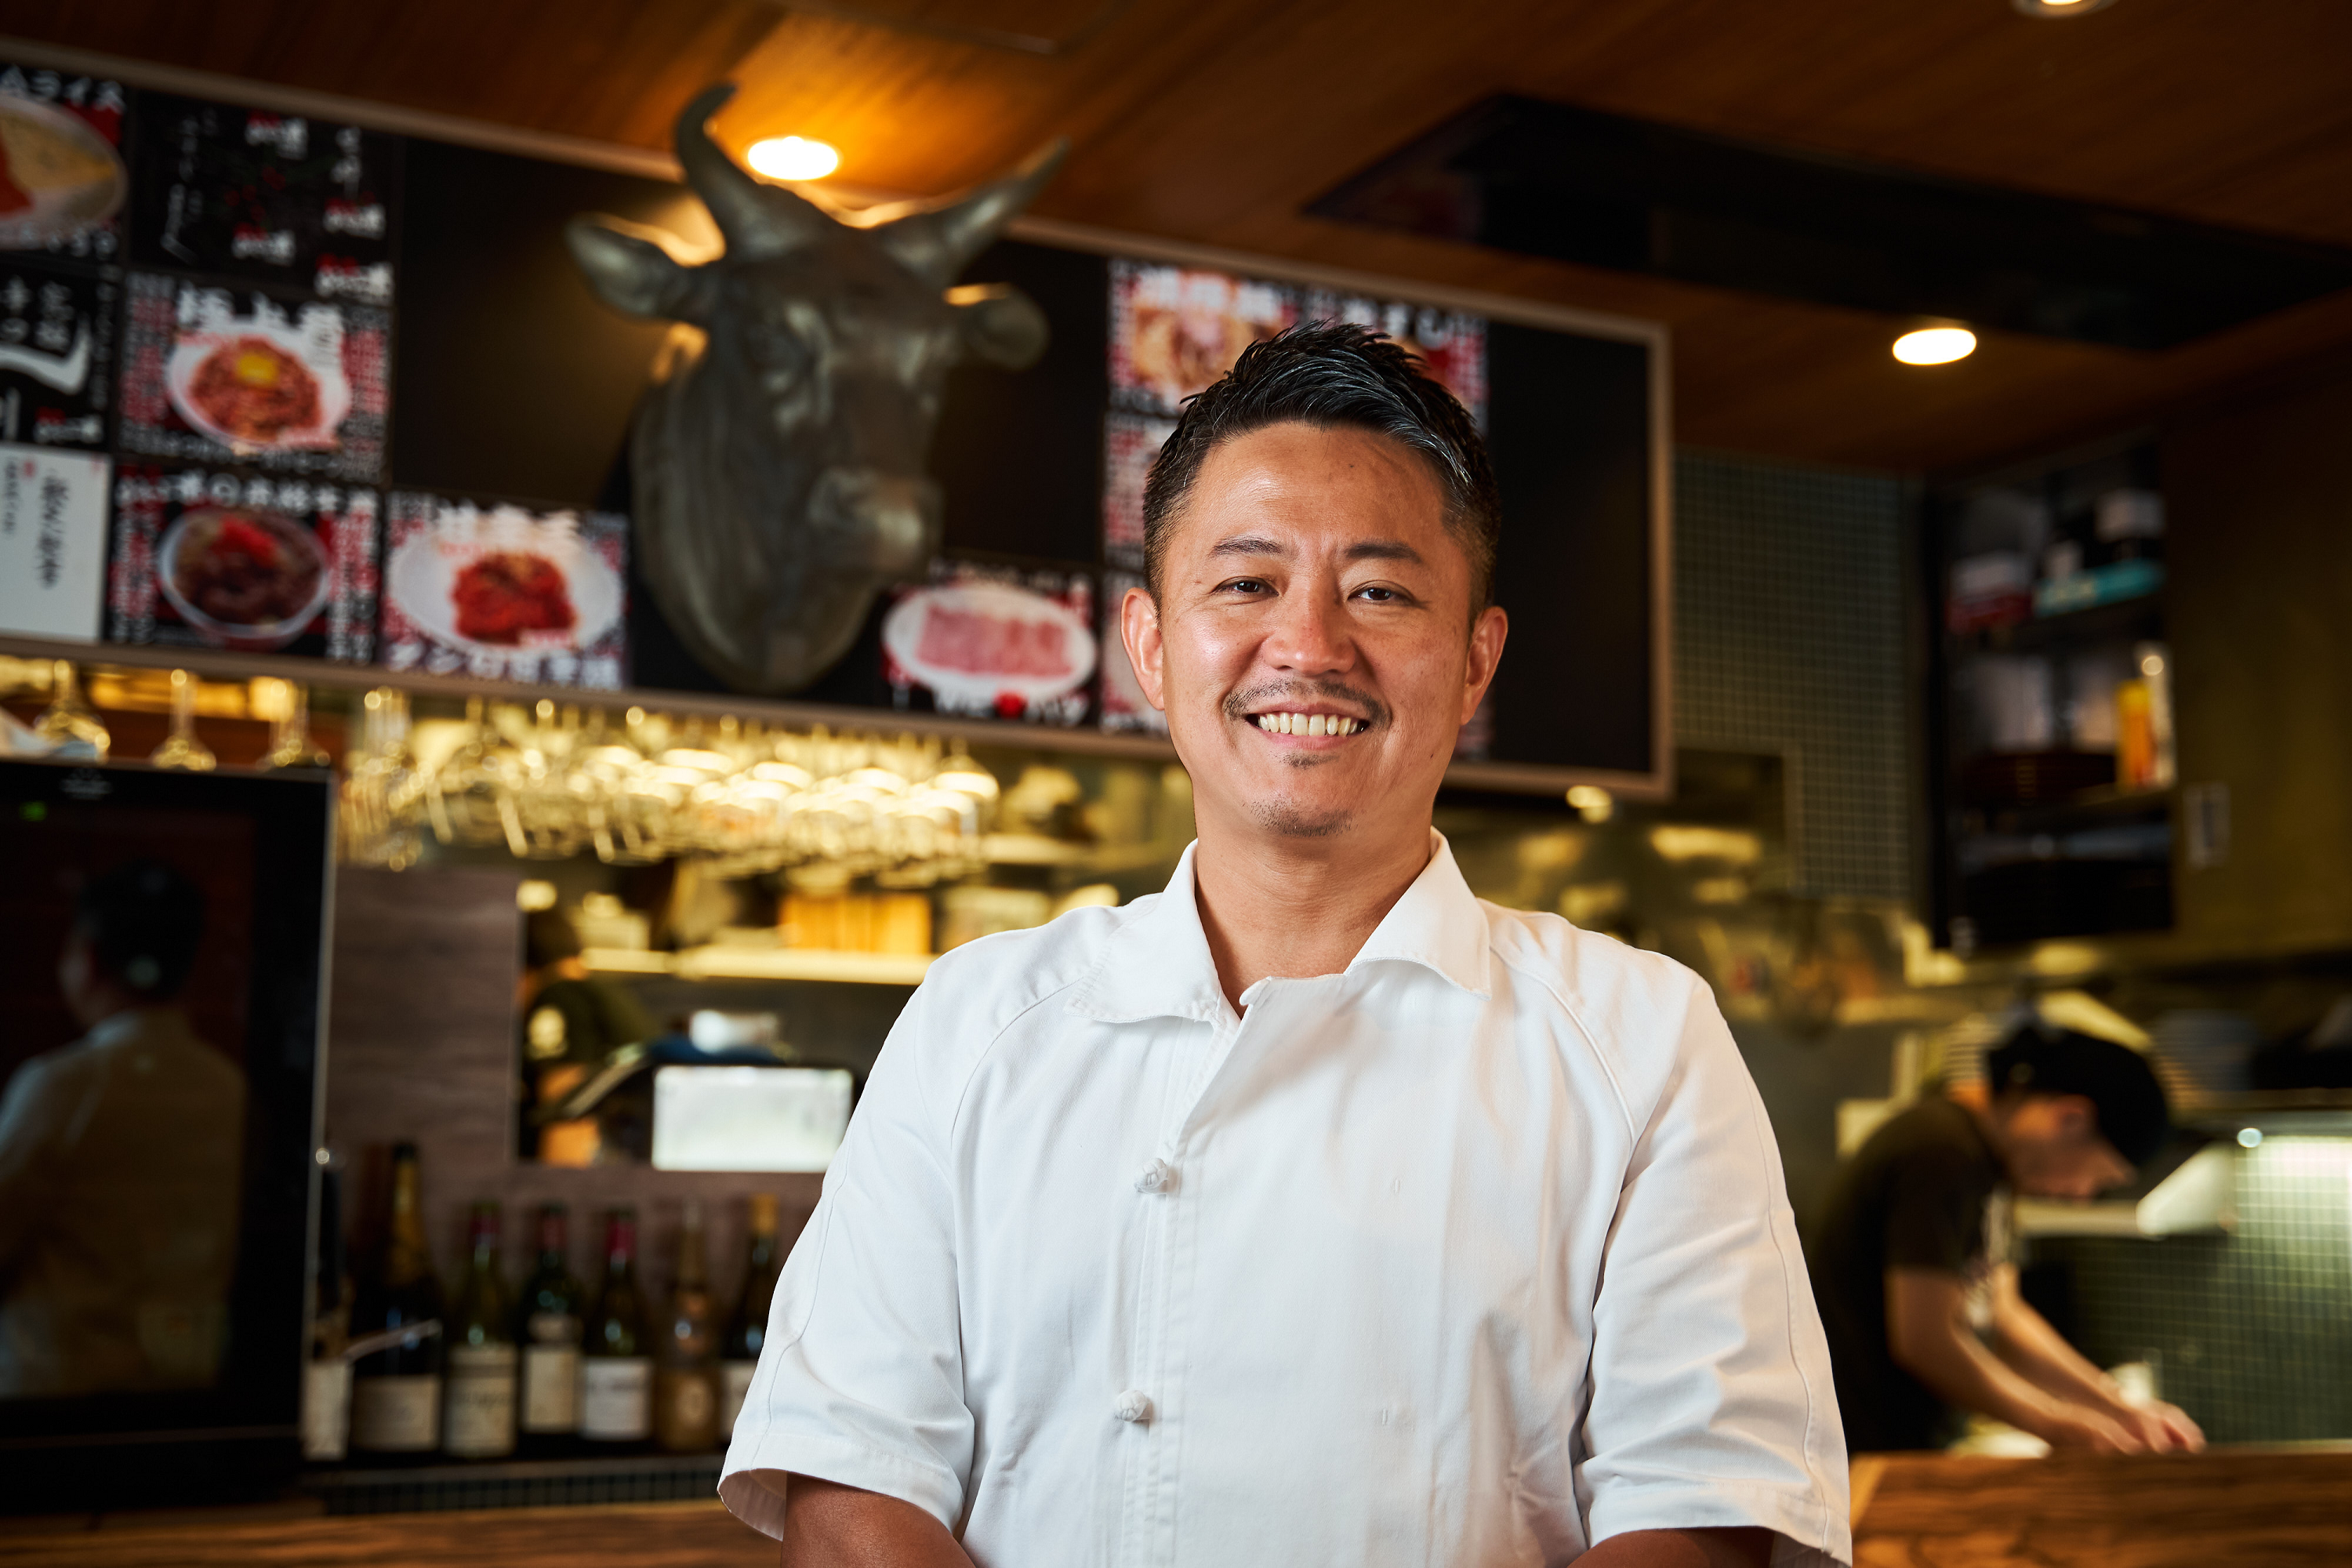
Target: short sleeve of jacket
x,y
1711,1402
1934,1210
862,1378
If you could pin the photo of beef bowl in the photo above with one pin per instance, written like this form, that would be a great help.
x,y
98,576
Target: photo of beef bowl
x,y
257,390
244,579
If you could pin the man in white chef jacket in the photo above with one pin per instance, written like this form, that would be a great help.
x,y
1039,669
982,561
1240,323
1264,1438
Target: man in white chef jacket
x,y
1312,1211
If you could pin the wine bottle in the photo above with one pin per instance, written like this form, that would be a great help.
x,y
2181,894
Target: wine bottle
x,y
479,1405
686,1392
397,1390
747,1328
548,1330
616,1369
326,1376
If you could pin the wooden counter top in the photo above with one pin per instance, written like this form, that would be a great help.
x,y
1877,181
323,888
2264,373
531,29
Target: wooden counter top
x,y
645,1535
2239,1509
2244,1508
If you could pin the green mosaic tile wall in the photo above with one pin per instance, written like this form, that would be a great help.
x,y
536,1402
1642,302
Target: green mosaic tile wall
x,y
2252,1332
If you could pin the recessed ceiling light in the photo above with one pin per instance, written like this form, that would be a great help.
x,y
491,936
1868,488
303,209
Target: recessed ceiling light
x,y
792,158
2054,8
1934,345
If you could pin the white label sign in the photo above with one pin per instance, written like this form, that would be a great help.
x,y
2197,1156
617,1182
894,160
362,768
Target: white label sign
x,y
52,541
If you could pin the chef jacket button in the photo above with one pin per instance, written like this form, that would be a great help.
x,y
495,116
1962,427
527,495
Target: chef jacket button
x,y
1132,1406
1159,1176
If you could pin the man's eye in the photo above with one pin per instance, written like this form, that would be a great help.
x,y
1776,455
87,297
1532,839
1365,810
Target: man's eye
x,y
1377,594
1246,586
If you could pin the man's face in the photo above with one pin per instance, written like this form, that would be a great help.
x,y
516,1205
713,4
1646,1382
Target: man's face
x,y
1313,645
2054,1149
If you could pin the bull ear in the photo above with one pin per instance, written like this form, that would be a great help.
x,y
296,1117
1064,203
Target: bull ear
x,y
934,243
633,272
1002,325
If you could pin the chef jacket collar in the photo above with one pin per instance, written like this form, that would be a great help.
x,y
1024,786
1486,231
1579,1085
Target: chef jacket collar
x,y
1158,964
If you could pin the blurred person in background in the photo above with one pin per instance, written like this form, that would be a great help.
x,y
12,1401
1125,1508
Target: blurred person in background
x,y
573,1022
121,1159
1913,1262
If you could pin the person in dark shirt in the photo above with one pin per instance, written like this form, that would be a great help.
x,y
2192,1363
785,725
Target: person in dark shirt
x,y
1912,1265
573,1022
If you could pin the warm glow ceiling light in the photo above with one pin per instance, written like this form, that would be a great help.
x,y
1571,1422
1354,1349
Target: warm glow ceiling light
x,y
1934,345
792,158
2053,8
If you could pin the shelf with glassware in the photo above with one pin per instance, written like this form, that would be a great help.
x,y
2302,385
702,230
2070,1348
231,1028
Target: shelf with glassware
x,y
2050,736
750,851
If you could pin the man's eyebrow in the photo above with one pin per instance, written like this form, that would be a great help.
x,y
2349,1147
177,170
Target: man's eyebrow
x,y
1383,549
1251,544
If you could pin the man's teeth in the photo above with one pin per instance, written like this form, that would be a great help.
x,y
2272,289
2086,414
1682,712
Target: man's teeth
x,y
1307,724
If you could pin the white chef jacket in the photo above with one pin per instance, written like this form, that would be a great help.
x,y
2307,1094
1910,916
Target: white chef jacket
x,y
1475,1254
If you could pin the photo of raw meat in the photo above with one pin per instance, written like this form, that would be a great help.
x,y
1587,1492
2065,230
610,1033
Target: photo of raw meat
x,y
502,597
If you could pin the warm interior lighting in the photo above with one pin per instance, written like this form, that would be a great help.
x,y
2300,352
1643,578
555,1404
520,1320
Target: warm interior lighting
x,y
2061,7
1934,345
792,158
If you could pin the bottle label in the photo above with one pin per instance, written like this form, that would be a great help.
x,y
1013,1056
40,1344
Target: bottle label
x,y
481,1401
734,1384
616,1398
326,1408
396,1414
551,1388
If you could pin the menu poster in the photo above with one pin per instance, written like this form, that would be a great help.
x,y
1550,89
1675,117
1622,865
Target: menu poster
x,y
505,593
56,353
204,559
1130,442
251,192
1123,706
994,641
216,377
62,182
52,541
1452,343
1174,330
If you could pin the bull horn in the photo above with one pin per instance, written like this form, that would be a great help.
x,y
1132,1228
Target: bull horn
x,y
934,243
757,219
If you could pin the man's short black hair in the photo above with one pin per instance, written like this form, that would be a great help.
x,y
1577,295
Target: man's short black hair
x,y
1334,374
2115,1079
143,921
549,937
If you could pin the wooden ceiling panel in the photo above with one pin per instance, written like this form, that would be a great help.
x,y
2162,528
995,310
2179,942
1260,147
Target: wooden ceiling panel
x,y
1215,121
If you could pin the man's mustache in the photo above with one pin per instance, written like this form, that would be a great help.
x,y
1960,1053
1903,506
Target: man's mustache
x,y
1258,699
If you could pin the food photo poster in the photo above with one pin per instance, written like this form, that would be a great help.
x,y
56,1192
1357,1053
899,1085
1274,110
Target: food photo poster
x,y
505,591
211,559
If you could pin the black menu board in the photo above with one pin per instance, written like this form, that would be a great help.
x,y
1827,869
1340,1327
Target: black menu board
x,y
276,198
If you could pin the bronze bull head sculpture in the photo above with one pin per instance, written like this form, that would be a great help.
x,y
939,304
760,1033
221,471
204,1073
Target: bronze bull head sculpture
x,y
777,457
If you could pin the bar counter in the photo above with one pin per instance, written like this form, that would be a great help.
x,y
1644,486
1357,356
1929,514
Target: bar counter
x,y
2248,1508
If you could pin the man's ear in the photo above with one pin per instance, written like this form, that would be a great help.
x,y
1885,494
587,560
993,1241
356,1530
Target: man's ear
x,y
1487,636
1138,628
2073,1117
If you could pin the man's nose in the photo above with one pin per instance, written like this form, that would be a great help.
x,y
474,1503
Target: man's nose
x,y
1310,633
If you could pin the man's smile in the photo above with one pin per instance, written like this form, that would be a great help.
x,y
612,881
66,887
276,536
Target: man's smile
x,y
1303,723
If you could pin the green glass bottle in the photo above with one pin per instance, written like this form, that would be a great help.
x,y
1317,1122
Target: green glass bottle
x,y
548,1326
746,1327
478,1406
616,1369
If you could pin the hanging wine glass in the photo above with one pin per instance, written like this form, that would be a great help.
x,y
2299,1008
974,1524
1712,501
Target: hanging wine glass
x,y
181,749
461,798
291,745
69,724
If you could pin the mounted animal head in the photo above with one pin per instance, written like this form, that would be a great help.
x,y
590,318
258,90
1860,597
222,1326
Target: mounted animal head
x,y
779,458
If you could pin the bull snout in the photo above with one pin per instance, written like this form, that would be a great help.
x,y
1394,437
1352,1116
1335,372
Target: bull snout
x,y
885,522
